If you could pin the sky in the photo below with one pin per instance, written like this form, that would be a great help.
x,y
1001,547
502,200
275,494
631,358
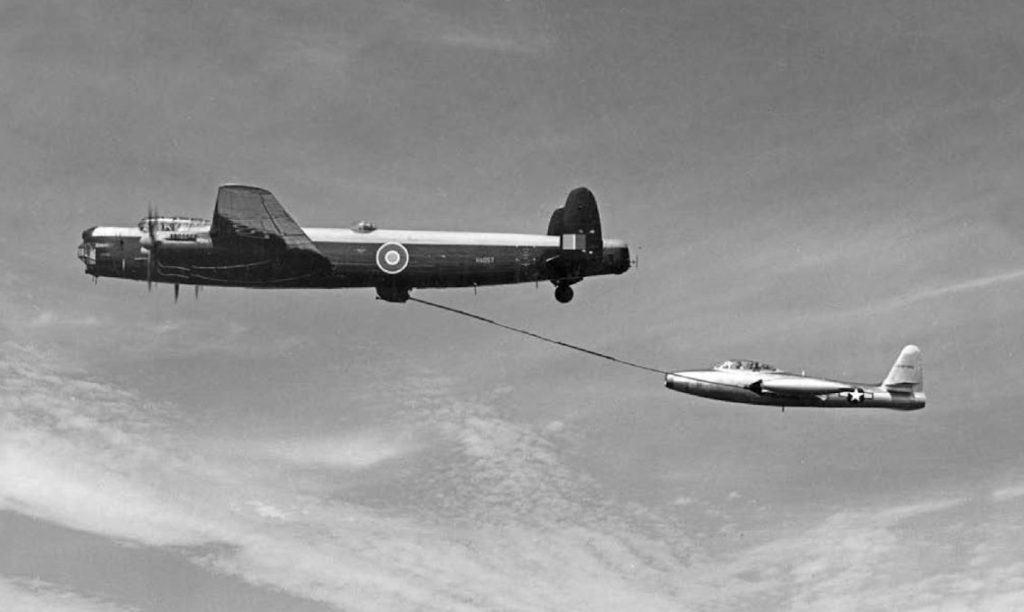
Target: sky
x,y
811,184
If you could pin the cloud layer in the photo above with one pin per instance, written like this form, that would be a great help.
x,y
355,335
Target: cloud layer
x,y
814,185
32,596
466,510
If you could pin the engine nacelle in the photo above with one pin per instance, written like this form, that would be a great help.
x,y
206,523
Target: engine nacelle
x,y
178,242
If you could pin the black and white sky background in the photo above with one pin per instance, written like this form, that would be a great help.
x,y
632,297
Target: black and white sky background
x,y
812,183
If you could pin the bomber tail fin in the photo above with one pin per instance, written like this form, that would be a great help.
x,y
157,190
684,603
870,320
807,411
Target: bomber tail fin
x,y
908,371
578,224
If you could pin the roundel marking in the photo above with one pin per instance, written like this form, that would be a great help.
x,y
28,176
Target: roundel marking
x,y
392,257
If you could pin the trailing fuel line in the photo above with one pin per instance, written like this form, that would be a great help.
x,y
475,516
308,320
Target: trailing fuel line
x,y
540,337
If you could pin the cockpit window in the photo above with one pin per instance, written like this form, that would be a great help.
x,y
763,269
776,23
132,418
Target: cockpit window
x,y
745,364
172,224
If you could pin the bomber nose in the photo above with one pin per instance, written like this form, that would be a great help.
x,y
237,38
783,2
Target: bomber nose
x,y
87,250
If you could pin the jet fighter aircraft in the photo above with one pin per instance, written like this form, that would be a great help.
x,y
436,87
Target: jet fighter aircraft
x,y
753,382
253,242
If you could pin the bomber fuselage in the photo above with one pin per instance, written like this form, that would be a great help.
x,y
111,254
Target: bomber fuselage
x,y
359,257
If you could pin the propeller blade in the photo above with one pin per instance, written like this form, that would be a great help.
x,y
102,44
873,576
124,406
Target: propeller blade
x,y
177,288
150,225
151,216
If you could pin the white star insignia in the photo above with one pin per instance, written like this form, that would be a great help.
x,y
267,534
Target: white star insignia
x,y
856,396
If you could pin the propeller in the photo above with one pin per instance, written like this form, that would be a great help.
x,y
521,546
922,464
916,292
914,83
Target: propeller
x,y
149,241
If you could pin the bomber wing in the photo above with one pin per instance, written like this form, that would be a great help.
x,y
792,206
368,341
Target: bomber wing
x,y
251,216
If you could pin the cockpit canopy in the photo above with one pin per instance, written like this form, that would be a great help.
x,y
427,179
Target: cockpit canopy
x,y
173,224
746,364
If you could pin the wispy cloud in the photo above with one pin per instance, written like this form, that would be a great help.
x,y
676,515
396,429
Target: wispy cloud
x,y
489,507
916,556
1008,493
931,293
458,37
34,595
349,451
510,29
456,510
50,318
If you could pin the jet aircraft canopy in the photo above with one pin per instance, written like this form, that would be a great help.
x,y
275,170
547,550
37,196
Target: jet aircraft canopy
x,y
746,364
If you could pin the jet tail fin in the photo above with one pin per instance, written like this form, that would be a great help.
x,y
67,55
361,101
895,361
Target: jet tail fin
x,y
908,371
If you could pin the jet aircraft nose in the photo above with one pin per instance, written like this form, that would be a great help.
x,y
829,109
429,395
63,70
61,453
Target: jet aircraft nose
x,y
678,382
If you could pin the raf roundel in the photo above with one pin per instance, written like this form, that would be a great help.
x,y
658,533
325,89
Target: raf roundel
x,y
392,257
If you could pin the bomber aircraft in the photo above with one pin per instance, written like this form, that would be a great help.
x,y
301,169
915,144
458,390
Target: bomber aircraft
x,y
253,242
753,382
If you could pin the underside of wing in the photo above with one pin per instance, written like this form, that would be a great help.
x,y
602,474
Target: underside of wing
x,y
798,387
251,215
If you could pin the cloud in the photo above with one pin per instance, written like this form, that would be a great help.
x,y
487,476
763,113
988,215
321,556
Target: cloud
x,y
452,505
510,30
350,451
979,283
50,318
474,40
910,556
34,595
1008,493
486,509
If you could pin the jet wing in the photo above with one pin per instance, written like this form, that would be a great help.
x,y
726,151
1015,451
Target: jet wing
x,y
254,214
798,386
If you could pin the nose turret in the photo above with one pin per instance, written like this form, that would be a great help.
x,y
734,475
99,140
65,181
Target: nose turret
x,y
108,251
87,250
